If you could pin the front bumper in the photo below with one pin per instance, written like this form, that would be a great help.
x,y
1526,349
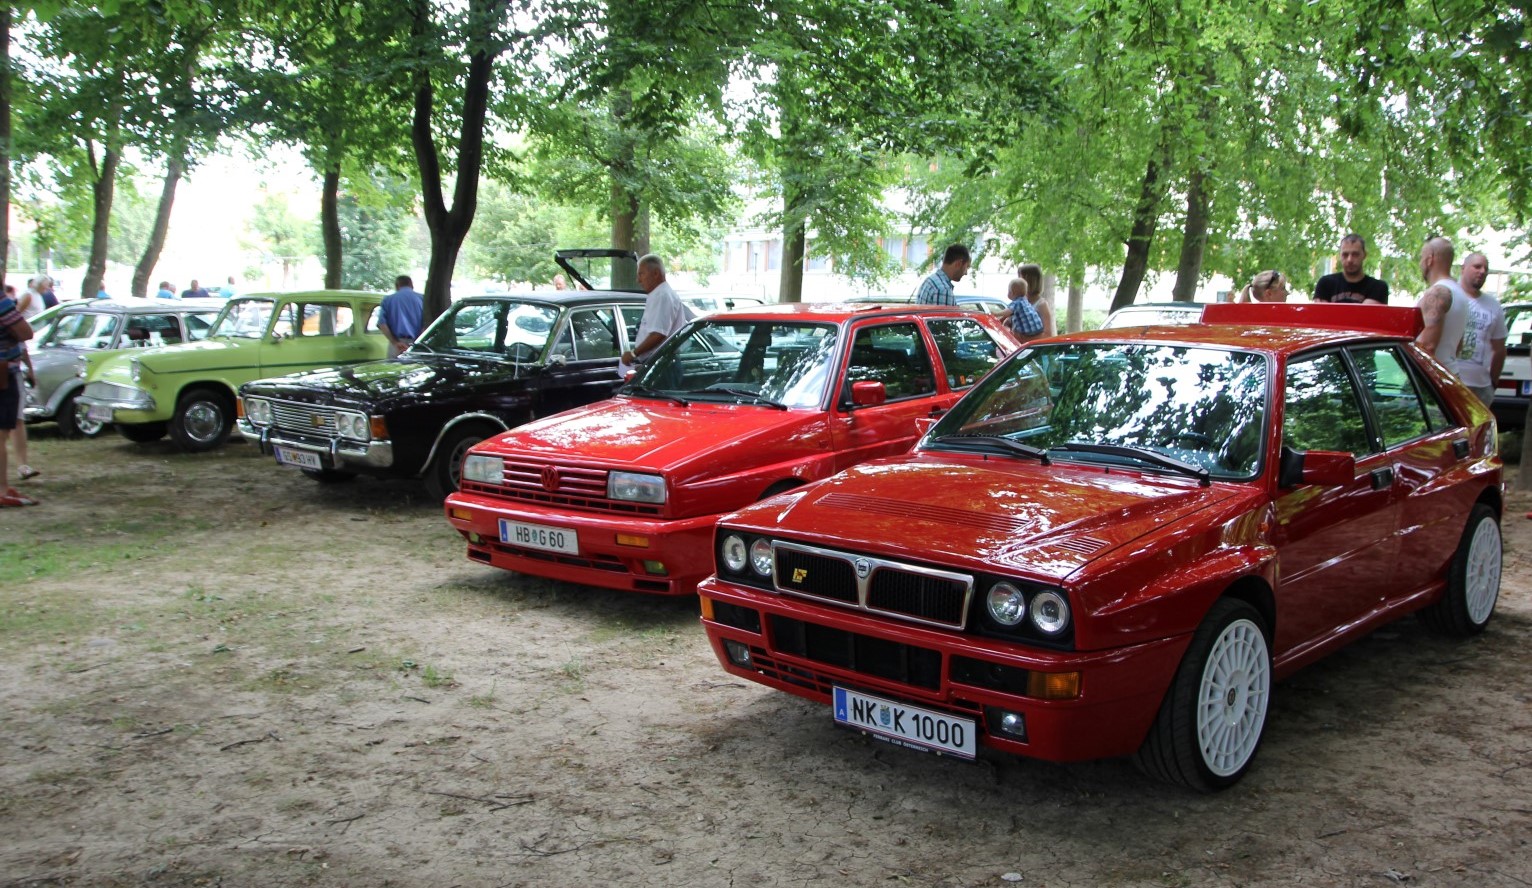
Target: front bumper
x,y
683,547
806,648
372,457
135,411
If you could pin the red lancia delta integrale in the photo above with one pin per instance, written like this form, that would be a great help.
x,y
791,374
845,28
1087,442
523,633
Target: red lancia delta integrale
x,y
735,407
1118,541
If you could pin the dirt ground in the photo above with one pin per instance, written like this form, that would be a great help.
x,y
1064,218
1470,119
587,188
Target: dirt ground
x,y
217,672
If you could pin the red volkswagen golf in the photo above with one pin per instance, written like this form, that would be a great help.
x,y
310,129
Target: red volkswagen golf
x,y
1119,541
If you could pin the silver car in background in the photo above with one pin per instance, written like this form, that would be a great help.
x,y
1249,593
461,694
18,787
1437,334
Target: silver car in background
x,y
100,326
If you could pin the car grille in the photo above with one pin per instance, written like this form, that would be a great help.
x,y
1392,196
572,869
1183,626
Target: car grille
x,y
554,483
905,591
303,419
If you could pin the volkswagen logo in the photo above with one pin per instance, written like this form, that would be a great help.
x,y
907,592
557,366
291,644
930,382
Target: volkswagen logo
x,y
550,478
863,568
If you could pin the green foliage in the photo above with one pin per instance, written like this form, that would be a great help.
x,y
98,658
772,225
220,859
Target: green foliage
x,y
280,234
514,235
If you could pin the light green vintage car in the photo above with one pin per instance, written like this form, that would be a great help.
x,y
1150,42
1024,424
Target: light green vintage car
x,y
189,390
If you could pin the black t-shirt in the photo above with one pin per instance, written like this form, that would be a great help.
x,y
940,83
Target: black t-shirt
x,y
1335,288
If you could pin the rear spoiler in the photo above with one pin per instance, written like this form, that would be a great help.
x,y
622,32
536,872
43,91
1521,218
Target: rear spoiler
x,y
1387,320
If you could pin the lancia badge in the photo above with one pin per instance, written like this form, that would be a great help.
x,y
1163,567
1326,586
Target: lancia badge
x,y
863,568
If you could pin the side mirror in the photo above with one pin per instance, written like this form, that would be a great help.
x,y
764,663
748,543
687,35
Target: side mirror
x,y
868,393
1325,468
557,360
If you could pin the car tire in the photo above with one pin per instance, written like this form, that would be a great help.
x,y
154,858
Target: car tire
x,y
143,433
72,422
329,476
446,467
203,419
1213,716
1473,579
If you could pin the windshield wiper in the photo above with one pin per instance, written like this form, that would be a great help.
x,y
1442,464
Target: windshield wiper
x,y
635,388
740,393
1036,453
1142,454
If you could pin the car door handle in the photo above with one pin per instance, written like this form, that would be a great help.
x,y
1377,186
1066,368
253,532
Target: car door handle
x,y
1382,478
937,411
1460,448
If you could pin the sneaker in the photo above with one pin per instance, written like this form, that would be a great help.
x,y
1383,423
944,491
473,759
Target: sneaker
x,y
13,497
27,472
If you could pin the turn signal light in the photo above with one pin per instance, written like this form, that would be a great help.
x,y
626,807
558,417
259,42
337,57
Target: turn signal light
x,y
460,514
633,539
377,427
707,608
1053,685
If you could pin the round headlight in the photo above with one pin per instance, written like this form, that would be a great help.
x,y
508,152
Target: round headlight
x,y
1050,613
733,553
1007,606
760,557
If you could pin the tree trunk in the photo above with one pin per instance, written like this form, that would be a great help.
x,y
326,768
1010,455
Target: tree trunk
x,y
1076,311
101,210
449,227
329,226
630,231
174,169
1146,218
1194,239
795,237
5,141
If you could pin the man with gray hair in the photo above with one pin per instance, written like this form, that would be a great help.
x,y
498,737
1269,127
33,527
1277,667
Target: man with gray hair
x,y
664,314
1481,356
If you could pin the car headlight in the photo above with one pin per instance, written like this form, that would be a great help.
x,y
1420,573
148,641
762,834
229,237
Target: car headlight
x,y
258,411
761,560
352,425
483,469
636,488
1050,613
1007,605
733,553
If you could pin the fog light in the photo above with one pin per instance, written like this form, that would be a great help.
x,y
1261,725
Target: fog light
x,y
657,568
1007,724
475,538
633,539
738,653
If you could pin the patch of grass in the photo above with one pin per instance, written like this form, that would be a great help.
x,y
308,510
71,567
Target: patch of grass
x,y
432,678
573,672
124,723
486,700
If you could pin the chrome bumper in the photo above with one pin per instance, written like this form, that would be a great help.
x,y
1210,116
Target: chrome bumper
x,y
341,454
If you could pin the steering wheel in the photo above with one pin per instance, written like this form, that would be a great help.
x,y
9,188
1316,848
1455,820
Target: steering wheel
x,y
521,352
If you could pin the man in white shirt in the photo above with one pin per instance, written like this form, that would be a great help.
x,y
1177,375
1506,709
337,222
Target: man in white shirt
x,y
1481,355
664,314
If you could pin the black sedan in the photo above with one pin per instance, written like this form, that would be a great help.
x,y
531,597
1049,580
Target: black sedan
x,y
487,364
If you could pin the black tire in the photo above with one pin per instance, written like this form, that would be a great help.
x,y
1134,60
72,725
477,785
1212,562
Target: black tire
x,y
329,476
447,466
144,433
204,417
1473,579
72,422
1228,665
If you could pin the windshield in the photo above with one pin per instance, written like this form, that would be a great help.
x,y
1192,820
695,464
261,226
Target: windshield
x,y
1201,406
245,318
747,361
86,330
491,328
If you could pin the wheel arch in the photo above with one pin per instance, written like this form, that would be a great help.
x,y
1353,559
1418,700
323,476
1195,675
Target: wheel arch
x,y
1255,591
219,386
475,418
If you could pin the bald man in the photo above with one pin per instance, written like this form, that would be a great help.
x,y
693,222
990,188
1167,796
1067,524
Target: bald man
x,y
1444,305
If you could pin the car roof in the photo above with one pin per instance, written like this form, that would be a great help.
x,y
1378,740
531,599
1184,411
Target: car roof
x,y
1273,327
126,304
562,297
836,312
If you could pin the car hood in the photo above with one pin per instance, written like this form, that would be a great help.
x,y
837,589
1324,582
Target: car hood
x,y
702,438
379,383
206,354
1014,516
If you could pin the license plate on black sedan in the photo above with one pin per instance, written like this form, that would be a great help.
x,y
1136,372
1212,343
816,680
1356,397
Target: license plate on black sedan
x,y
906,725
303,459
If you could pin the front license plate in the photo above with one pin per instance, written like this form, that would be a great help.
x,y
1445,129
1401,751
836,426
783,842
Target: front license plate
x,y
539,536
906,725
1526,386
99,413
300,458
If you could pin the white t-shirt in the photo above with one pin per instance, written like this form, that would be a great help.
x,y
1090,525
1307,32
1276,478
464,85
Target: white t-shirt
x,y
664,313
29,307
1485,323
1453,324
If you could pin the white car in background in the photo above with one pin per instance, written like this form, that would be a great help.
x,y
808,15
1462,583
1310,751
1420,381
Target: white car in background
x,y
1514,387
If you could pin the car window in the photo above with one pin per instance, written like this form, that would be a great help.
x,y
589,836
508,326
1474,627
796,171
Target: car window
x,y
1518,322
748,361
325,319
1389,386
86,329
590,335
967,347
158,329
895,355
632,316
199,324
1321,409
248,319
994,307
374,320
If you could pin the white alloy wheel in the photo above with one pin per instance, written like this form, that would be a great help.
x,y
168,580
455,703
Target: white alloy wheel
x,y
1481,579
1233,697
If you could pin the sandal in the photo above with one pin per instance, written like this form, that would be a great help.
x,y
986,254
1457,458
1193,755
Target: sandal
x,y
13,497
27,472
